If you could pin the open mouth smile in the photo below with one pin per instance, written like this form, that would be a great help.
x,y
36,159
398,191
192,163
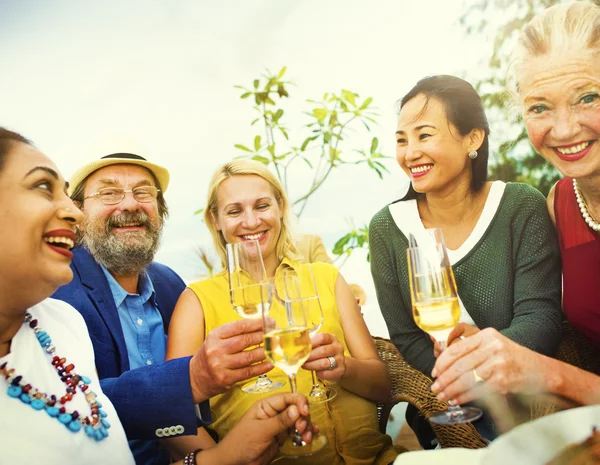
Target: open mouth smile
x,y
420,170
254,237
573,152
61,241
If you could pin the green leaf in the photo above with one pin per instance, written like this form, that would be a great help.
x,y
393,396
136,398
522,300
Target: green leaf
x,y
246,95
305,144
256,83
285,134
282,72
320,114
366,103
261,159
278,114
199,212
349,97
374,144
307,161
257,143
242,147
338,248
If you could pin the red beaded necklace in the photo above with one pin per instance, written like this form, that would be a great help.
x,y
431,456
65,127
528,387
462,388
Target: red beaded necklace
x,y
95,425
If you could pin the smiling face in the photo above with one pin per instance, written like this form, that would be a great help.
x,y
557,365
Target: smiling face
x,y
247,209
38,219
561,109
122,237
431,150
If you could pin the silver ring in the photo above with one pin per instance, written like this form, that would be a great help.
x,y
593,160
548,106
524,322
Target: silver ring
x,y
332,363
478,379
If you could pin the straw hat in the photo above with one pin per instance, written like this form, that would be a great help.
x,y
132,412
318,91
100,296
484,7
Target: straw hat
x,y
161,174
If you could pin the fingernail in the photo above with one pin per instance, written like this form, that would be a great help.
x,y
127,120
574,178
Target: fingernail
x,y
441,396
452,402
293,412
434,373
435,387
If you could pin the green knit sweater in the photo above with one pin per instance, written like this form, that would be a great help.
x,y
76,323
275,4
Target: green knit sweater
x,y
510,280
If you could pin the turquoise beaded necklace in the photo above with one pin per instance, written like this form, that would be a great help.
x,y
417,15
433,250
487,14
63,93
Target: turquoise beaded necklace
x,y
95,425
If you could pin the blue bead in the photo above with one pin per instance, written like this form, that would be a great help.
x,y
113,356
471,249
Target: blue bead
x,y
52,411
98,435
102,413
38,404
74,426
65,418
90,431
86,380
105,423
98,404
14,391
103,432
25,398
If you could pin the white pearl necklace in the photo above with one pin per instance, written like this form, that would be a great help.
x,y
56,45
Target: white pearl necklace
x,y
583,208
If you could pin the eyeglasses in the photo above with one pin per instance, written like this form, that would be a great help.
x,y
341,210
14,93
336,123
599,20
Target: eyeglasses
x,y
115,195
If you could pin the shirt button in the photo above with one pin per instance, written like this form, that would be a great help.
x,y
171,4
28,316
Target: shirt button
x,y
140,321
148,362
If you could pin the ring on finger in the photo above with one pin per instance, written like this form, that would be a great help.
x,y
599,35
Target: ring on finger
x,y
332,363
478,379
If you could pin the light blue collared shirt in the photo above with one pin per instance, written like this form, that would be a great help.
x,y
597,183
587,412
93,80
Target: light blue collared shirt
x,y
146,343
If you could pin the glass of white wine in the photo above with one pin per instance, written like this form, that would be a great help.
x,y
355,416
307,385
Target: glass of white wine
x,y
315,319
435,305
288,346
251,295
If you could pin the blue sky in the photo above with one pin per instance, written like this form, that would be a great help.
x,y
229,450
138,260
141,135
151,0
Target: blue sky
x,y
83,79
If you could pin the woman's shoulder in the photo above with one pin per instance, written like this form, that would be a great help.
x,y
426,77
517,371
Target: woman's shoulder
x,y
217,281
381,216
522,196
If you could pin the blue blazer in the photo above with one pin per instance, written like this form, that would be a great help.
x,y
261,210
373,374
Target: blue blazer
x,y
147,399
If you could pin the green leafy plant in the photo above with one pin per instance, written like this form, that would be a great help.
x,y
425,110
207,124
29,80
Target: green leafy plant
x,y
321,143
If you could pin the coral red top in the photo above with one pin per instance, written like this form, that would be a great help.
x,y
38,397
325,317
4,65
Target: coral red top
x,y
580,253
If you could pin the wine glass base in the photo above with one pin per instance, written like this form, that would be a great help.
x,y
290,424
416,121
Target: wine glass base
x,y
289,449
456,416
256,387
320,395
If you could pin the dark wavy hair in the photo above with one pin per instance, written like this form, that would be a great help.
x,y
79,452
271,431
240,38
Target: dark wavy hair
x,y
7,140
463,109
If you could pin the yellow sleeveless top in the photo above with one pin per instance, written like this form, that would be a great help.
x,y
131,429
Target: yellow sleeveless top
x,y
349,421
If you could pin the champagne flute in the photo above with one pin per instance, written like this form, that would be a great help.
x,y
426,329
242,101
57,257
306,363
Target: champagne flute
x,y
315,319
435,305
251,295
288,346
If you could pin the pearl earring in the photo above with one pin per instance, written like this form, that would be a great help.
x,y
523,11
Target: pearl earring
x,y
473,154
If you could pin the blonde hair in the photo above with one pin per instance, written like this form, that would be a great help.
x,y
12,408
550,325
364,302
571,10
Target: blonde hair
x,y
246,167
560,29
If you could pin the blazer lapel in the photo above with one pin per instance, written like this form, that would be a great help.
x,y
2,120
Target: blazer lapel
x,y
98,290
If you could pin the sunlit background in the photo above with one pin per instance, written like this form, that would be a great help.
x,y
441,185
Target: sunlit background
x,y
84,79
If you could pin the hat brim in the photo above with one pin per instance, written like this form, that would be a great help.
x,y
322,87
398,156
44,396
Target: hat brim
x,y
161,173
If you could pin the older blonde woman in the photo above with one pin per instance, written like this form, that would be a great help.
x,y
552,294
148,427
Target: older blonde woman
x,y
556,80
245,201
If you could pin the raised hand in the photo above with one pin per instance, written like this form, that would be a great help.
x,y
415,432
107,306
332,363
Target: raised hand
x,y
325,345
223,361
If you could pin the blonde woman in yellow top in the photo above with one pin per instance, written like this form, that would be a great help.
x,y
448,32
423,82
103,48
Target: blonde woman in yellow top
x,y
246,202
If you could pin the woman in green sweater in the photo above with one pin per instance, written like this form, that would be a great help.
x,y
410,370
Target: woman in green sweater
x,y
501,241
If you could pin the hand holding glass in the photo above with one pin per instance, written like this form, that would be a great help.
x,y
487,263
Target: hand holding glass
x,y
435,305
287,346
251,295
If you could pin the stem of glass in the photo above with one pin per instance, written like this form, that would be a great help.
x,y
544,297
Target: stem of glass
x,y
297,437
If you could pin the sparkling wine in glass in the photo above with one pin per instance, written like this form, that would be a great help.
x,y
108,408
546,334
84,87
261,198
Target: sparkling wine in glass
x,y
288,346
435,305
315,319
251,295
